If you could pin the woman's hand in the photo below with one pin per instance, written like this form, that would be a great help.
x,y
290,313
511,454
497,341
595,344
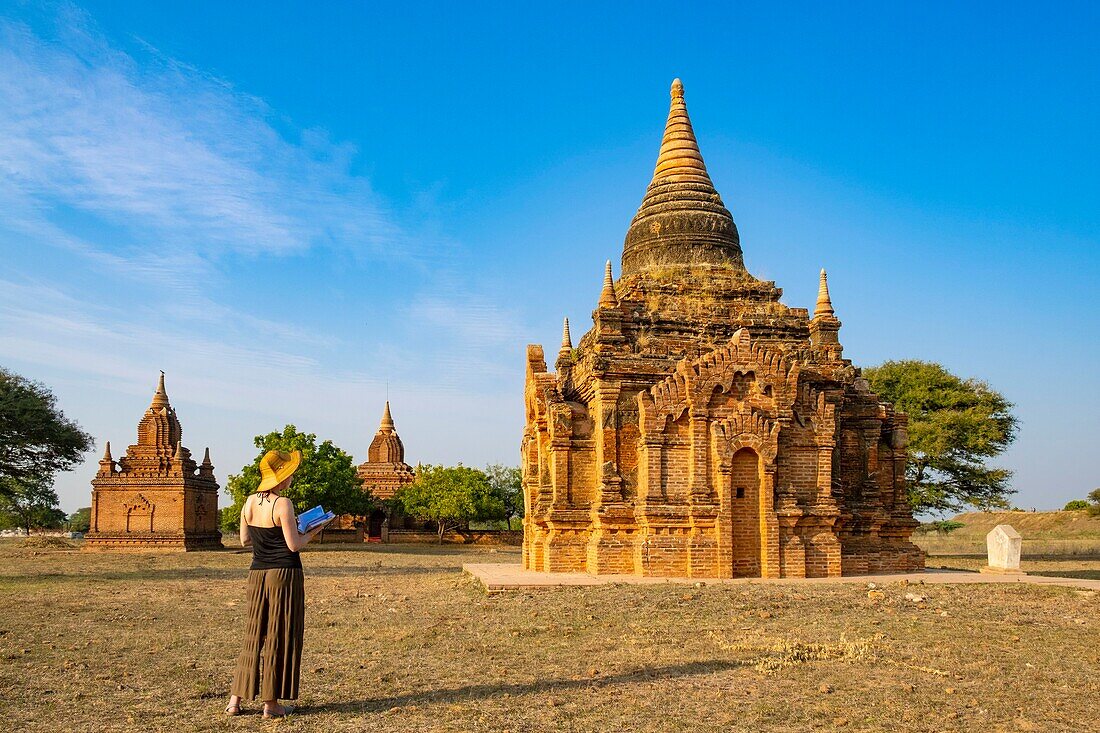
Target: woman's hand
x,y
288,520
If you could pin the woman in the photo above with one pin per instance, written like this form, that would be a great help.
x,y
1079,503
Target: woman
x,y
272,654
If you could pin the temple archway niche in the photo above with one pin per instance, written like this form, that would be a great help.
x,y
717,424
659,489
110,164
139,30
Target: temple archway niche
x,y
376,526
745,482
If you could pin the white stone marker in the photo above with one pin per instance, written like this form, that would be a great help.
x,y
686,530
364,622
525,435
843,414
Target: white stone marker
x,y
1003,545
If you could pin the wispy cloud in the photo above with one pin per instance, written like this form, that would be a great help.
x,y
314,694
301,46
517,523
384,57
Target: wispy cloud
x,y
171,159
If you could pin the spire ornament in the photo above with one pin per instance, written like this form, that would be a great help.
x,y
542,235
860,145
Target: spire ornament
x,y
608,298
386,426
160,398
106,463
566,340
824,308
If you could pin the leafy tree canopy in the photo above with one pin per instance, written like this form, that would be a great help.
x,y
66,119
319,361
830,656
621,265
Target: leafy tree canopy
x,y
506,483
450,497
1075,505
30,504
1093,503
326,477
955,426
81,520
36,439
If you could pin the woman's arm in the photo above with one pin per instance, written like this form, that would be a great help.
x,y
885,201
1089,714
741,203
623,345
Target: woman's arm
x,y
245,539
288,520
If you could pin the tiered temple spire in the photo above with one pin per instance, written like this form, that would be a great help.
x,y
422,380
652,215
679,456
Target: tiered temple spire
x,y
682,220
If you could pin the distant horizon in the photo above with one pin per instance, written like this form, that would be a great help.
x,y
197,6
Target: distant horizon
x,y
296,212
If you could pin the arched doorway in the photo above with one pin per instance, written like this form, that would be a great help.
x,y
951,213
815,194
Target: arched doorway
x,y
745,513
375,526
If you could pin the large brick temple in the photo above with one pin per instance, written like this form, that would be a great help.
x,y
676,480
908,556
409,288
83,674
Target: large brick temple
x,y
157,496
703,428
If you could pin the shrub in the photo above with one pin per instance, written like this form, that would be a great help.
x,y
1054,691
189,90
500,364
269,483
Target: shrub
x,y
945,526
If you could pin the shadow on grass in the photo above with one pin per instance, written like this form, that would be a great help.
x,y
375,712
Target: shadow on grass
x,y
1078,574
481,692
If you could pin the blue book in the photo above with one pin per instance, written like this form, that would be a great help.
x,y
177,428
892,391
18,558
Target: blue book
x,y
313,518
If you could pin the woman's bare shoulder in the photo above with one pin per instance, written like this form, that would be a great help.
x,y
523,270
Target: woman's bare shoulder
x,y
284,509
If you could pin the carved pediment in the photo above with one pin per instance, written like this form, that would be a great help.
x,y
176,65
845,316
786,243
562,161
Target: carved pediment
x,y
139,505
762,374
749,428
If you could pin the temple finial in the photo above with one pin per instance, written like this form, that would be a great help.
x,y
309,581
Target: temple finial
x,y
107,452
566,341
679,155
608,298
179,450
160,399
824,307
387,420
206,458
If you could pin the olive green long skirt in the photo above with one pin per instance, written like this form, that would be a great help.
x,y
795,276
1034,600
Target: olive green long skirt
x,y
271,659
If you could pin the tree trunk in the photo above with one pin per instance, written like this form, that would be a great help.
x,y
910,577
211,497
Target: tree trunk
x,y
441,529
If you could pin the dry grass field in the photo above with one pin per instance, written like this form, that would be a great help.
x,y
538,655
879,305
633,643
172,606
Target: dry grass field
x,y
1048,534
398,640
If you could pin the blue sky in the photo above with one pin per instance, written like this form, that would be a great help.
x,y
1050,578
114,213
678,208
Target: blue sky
x,y
293,208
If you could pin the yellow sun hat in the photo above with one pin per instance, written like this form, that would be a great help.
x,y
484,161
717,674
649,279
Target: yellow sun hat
x,y
276,467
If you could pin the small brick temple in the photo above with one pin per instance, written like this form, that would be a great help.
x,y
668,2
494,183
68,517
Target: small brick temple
x,y
157,496
703,428
383,473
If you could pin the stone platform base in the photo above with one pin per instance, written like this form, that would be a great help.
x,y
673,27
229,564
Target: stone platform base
x,y
499,577
1000,571
98,541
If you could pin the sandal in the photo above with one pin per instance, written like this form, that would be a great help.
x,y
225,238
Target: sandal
x,y
232,709
287,710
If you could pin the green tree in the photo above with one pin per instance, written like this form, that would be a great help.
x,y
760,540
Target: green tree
x,y
451,497
81,520
36,439
30,504
326,477
506,483
955,426
1094,499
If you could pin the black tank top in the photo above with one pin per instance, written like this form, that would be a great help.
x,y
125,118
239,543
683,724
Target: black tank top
x,y
269,548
